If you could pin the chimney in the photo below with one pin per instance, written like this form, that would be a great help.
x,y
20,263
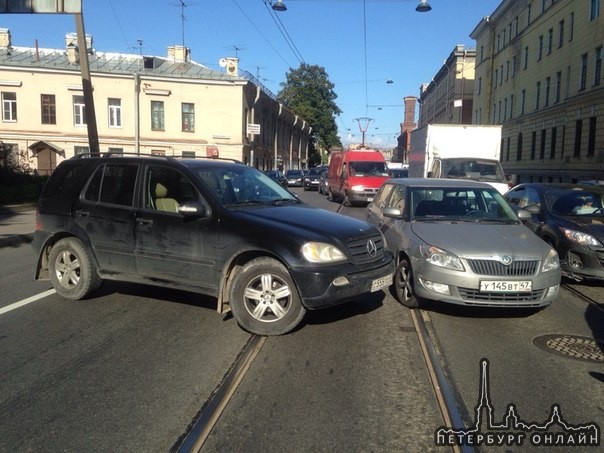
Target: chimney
x,y
232,66
5,37
73,54
72,39
179,54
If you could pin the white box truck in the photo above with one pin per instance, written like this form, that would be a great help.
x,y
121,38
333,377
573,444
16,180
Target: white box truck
x,y
458,151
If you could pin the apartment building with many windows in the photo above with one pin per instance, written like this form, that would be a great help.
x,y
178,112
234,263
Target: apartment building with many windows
x,y
539,74
143,104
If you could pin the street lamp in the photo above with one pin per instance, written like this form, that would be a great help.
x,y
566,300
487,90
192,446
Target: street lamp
x,y
423,7
279,5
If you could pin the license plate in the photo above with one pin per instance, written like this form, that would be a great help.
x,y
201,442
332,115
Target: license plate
x,y
380,283
498,286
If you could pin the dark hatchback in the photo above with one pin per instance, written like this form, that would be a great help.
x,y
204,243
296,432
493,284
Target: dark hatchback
x,y
311,179
211,226
277,175
569,217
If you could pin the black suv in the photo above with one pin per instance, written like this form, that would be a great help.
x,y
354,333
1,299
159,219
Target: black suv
x,y
217,227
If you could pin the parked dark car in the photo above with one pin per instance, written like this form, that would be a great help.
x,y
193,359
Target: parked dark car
x,y
277,175
460,242
217,227
294,178
311,179
570,217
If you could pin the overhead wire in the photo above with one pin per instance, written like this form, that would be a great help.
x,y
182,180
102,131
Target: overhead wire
x,y
286,36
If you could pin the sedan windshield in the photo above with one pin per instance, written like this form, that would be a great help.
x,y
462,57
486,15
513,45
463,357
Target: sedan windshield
x,y
565,201
244,185
460,204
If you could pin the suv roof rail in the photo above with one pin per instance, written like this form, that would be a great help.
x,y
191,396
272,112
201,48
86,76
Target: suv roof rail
x,y
122,154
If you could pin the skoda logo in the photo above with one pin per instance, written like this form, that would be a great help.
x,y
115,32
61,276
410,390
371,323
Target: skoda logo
x,y
506,260
371,248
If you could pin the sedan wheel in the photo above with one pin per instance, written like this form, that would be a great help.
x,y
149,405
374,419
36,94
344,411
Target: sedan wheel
x,y
264,298
403,285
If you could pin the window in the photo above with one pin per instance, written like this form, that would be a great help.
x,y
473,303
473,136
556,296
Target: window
x,y
594,11
561,33
479,89
48,107
9,106
548,83
157,115
81,150
188,117
537,95
578,131
591,139
113,184
116,151
572,27
528,14
514,65
542,144
540,48
523,102
511,106
519,147
79,111
583,72
598,67
115,112
552,146
533,144
189,154
526,57
550,40
558,86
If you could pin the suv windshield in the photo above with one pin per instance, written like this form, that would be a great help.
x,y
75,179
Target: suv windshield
x,y
243,185
368,168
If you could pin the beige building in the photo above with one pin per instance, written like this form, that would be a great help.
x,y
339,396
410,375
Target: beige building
x,y
447,99
539,74
143,104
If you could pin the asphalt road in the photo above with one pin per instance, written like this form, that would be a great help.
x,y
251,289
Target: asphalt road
x,y
129,369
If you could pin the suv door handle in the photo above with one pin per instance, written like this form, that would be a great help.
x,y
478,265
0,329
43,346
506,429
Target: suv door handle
x,y
142,221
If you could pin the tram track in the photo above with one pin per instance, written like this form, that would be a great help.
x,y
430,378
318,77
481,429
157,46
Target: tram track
x,y
582,296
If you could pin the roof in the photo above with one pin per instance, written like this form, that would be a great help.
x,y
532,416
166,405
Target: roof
x,y
111,63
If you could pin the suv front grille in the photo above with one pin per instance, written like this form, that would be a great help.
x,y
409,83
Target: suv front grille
x,y
360,252
492,267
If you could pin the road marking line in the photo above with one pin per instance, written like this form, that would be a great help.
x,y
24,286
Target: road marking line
x,y
29,300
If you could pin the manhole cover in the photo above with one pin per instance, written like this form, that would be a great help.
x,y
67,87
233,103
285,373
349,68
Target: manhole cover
x,y
573,346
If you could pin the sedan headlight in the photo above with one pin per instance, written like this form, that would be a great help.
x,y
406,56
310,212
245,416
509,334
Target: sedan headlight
x,y
320,252
580,238
441,258
357,188
552,261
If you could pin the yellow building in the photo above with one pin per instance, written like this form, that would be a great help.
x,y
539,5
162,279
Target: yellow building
x,y
142,104
539,74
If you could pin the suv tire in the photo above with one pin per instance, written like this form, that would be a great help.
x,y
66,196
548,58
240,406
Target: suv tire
x,y
264,298
72,271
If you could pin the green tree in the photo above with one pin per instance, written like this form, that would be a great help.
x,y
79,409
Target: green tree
x,y
308,92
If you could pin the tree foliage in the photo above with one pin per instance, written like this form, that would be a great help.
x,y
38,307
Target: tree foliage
x,y
308,92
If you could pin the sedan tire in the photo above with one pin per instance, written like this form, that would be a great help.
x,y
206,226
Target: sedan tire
x,y
72,271
403,284
264,298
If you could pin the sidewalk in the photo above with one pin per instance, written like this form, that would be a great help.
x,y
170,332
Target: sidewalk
x,y
17,224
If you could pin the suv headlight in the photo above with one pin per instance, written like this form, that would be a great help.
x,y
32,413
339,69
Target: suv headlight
x,y
552,261
320,252
580,238
441,258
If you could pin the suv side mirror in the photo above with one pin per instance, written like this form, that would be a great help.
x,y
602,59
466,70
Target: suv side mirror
x,y
193,209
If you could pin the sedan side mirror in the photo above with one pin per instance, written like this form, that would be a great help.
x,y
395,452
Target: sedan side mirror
x,y
395,213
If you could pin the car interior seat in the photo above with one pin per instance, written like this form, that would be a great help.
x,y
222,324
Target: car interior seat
x,y
162,202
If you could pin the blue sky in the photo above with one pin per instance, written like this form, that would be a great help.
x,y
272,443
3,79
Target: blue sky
x,y
361,44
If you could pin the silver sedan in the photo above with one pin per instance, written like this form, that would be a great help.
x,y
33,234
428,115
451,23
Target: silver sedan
x,y
460,242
